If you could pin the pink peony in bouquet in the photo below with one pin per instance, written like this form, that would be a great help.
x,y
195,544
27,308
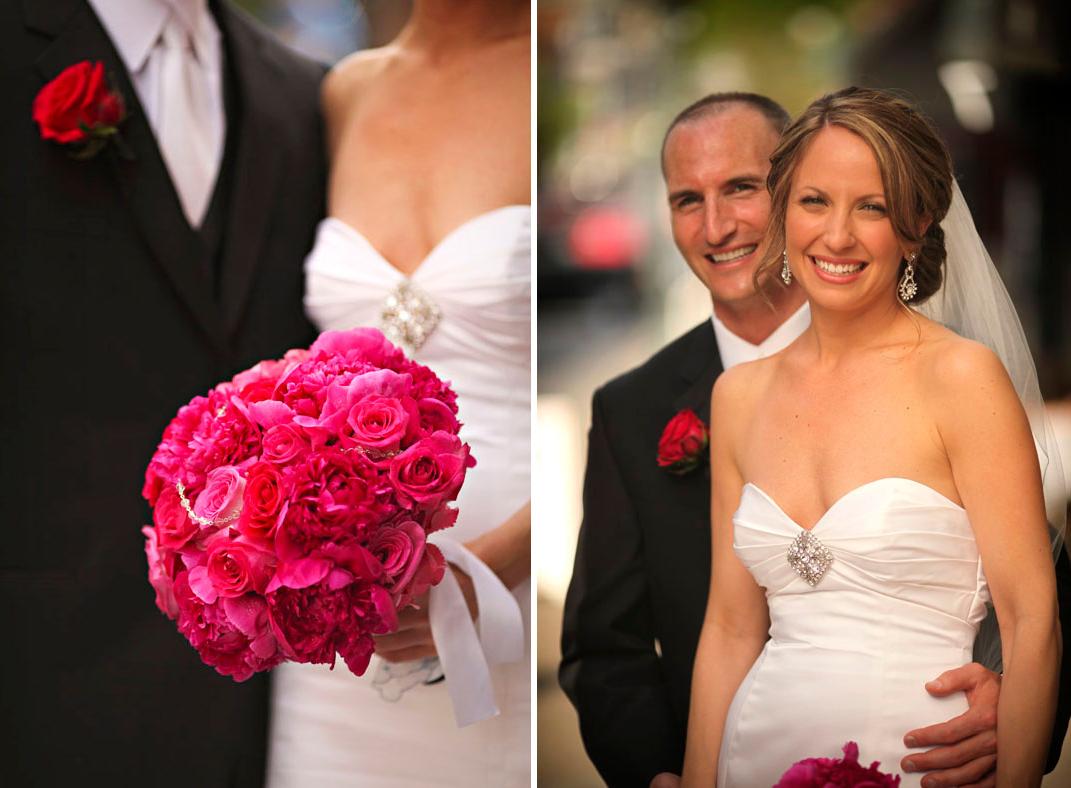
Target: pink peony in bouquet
x,y
844,772
291,506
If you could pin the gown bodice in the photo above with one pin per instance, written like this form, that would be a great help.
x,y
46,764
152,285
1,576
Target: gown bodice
x,y
883,594
477,280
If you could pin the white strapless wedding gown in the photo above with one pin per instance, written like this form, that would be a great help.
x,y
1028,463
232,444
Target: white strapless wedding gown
x,y
847,658
330,728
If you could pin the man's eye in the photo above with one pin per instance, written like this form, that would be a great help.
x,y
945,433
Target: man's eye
x,y
742,187
687,200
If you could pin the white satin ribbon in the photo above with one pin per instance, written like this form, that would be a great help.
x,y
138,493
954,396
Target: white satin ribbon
x,y
465,655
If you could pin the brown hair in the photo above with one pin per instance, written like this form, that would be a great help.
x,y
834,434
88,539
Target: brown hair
x,y
916,172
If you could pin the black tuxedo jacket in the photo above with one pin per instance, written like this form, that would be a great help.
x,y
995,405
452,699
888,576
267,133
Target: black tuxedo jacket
x,y
113,313
638,594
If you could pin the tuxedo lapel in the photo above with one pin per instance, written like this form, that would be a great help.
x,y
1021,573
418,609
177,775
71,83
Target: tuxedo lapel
x,y
142,177
700,368
257,161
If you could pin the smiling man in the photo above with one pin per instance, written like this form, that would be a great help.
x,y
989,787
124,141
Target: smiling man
x,y
638,593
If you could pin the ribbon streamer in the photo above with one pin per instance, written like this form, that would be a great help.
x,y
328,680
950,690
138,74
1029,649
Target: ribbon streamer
x,y
466,655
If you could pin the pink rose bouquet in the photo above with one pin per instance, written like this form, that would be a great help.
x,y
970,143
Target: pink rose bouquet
x,y
844,772
292,505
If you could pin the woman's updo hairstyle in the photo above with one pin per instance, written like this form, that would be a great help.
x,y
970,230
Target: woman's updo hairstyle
x,y
916,172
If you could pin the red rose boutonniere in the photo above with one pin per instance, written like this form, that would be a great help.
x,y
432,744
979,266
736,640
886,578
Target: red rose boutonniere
x,y
683,444
79,110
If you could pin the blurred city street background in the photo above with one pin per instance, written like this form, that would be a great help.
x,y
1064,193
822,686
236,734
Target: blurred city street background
x,y
993,75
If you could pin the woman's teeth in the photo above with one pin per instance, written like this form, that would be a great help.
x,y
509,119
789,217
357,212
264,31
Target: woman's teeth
x,y
838,268
734,254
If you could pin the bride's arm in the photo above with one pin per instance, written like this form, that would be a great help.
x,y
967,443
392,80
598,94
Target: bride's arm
x,y
736,623
995,467
507,548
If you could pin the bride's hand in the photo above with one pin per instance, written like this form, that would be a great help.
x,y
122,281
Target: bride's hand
x,y
965,747
412,640
506,549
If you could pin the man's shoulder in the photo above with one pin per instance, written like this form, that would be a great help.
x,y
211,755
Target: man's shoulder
x,y
664,370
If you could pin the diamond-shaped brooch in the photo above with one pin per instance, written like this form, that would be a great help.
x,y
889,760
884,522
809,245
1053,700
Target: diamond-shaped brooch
x,y
409,316
809,557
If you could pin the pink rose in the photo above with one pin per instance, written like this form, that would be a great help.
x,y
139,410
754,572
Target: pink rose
x,y
231,569
263,502
283,443
432,470
399,548
221,499
173,527
382,422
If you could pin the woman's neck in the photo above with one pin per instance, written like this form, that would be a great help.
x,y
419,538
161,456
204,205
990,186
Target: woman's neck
x,y
438,28
838,334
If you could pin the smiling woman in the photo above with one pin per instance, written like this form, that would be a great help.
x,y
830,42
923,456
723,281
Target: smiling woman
x,y
905,499
847,167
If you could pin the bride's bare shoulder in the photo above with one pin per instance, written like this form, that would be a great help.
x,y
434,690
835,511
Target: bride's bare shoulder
x,y
349,77
735,389
957,368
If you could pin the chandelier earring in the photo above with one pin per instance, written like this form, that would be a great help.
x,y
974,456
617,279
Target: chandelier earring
x,y
786,272
907,288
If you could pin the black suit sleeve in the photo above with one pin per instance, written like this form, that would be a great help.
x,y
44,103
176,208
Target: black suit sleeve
x,y
1063,698
610,669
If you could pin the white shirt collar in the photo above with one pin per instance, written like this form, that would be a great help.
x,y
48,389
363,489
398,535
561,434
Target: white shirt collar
x,y
134,26
733,350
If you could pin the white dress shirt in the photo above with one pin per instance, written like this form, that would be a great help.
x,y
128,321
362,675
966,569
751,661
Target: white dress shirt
x,y
135,28
733,350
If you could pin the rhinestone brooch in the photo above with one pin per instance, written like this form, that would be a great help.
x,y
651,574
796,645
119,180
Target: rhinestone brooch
x,y
409,316
809,557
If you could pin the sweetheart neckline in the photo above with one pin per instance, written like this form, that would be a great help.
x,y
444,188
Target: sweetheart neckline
x,y
472,220
848,495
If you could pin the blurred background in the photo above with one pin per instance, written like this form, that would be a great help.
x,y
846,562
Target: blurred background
x,y
328,30
993,75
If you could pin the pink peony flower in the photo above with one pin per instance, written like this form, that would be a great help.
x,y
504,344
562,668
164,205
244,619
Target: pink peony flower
x,y
367,343
217,640
437,416
312,624
432,470
159,576
844,772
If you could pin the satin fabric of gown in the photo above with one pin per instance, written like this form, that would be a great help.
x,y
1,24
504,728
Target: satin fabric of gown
x,y
329,727
847,659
